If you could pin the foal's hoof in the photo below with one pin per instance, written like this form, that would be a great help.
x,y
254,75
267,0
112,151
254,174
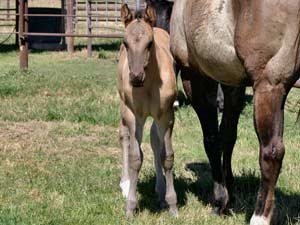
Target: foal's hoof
x,y
131,207
129,213
174,211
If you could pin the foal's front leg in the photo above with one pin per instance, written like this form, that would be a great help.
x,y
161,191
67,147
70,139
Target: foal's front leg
x,y
135,156
157,147
124,139
161,140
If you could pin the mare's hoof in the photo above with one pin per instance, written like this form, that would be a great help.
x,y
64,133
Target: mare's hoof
x,y
221,199
259,220
219,210
174,211
163,205
216,211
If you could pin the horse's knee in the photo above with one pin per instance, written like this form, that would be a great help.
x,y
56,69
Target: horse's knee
x,y
123,137
135,161
168,161
271,160
274,151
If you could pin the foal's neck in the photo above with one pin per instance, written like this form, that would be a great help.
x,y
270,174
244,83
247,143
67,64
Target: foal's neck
x,y
153,66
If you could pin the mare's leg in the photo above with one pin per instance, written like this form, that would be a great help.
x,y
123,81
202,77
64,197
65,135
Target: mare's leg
x,y
124,138
268,117
135,156
202,92
273,70
220,99
234,98
161,139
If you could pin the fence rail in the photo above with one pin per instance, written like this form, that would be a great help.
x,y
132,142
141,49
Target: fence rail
x,y
100,17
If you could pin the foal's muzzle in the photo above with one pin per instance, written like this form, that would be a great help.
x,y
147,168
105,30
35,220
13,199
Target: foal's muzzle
x,y
137,80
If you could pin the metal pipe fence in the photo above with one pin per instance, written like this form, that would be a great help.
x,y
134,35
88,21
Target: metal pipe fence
x,y
100,17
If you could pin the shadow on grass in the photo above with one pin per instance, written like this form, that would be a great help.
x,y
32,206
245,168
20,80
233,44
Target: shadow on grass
x,y
248,98
6,48
246,186
107,46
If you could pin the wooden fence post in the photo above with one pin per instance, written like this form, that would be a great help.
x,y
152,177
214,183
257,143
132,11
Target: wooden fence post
x,y
17,22
89,27
63,22
8,9
70,27
23,39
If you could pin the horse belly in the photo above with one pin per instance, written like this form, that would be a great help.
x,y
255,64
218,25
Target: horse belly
x,y
221,63
212,35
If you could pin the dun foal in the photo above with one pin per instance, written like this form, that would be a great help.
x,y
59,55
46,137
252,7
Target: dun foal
x,y
147,87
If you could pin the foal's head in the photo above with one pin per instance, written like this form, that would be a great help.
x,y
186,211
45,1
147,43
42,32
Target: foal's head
x,y
138,41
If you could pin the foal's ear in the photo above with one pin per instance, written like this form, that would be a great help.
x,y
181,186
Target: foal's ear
x,y
150,15
126,15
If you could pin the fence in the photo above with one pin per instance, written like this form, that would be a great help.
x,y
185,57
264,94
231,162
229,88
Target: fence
x,y
101,19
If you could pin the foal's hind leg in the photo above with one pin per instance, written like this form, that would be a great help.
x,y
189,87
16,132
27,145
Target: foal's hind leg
x,y
161,140
202,92
234,98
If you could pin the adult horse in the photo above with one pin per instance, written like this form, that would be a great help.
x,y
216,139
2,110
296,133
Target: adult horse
x,y
163,9
239,43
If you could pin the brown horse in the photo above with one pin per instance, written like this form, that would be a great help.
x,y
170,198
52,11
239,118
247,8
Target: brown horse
x,y
239,43
147,87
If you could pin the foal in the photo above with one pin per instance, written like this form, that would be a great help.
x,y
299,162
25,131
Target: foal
x,y
147,87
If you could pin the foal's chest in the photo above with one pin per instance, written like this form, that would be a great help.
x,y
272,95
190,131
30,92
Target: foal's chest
x,y
146,102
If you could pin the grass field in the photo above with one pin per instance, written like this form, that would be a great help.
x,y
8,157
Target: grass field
x,y
60,160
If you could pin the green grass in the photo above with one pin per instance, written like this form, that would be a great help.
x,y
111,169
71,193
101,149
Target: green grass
x,y
60,160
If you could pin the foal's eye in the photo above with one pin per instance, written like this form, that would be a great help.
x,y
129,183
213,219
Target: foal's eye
x,y
150,45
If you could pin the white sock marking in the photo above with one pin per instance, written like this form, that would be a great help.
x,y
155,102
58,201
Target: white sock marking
x,y
259,220
125,188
